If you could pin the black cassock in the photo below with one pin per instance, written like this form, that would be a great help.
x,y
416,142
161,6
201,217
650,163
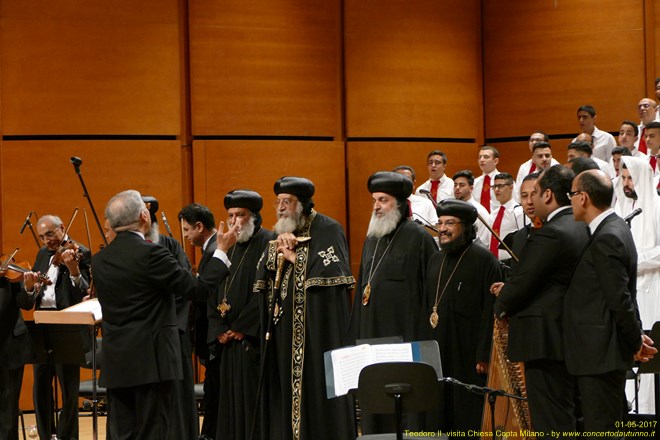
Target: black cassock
x,y
465,329
396,276
239,360
314,320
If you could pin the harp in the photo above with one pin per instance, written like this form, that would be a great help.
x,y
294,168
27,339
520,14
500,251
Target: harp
x,y
511,415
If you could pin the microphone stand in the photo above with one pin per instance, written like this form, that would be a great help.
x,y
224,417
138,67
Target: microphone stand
x,y
28,224
490,393
273,317
629,218
77,162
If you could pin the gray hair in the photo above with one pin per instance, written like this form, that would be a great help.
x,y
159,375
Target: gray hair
x,y
124,209
49,218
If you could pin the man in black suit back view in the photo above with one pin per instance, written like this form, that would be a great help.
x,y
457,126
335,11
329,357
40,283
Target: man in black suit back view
x,y
136,282
602,330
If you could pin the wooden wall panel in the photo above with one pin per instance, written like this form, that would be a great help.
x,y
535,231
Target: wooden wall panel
x,y
365,158
221,166
542,60
265,67
413,68
78,67
37,175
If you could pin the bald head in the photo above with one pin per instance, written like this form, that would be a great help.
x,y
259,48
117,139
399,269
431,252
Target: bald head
x,y
598,186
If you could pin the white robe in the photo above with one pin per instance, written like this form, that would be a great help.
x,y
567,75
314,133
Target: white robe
x,y
645,229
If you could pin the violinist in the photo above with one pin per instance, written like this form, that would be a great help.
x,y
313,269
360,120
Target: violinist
x,y
66,263
15,351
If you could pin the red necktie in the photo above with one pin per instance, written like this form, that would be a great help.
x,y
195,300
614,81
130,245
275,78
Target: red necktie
x,y
494,244
533,168
642,142
434,189
653,161
485,193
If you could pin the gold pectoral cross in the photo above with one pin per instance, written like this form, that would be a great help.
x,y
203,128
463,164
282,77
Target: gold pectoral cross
x,y
224,307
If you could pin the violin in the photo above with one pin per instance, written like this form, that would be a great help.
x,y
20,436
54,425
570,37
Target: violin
x,y
65,246
13,270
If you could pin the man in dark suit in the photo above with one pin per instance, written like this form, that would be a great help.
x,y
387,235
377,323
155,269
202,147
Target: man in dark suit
x,y
15,351
198,225
602,330
69,272
185,420
533,298
136,282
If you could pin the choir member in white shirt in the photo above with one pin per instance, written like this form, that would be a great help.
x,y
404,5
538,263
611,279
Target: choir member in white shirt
x,y
439,185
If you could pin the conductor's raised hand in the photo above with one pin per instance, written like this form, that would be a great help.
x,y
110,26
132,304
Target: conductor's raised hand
x,y
225,240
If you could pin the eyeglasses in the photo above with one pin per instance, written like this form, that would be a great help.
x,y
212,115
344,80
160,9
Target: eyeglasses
x,y
448,223
435,162
49,234
285,202
644,106
570,194
502,185
536,140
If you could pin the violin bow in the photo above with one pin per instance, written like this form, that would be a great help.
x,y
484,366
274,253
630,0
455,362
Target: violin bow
x,y
89,237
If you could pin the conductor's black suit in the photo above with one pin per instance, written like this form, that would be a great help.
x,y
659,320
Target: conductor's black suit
x,y
136,284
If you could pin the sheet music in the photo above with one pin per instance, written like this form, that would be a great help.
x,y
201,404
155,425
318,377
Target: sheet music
x,y
86,313
391,353
348,362
92,306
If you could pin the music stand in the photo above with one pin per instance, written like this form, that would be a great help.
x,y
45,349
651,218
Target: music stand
x,y
85,314
57,344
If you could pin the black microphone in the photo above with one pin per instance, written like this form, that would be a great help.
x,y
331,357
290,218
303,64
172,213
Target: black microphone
x,y
26,222
633,214
427,193
76,161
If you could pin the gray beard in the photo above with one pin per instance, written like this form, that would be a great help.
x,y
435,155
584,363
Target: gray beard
x,y
290,224
247,230
382,226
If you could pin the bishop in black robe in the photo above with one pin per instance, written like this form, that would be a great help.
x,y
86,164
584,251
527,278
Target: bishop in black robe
x,y
458,281
239,358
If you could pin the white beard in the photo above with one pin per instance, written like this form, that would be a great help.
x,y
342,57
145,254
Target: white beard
x,y
247,229
291,223
381,226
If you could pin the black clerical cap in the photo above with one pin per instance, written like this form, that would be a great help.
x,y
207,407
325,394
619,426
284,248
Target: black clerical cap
x,y
458,208
298,186
394,184
152,206
244,198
